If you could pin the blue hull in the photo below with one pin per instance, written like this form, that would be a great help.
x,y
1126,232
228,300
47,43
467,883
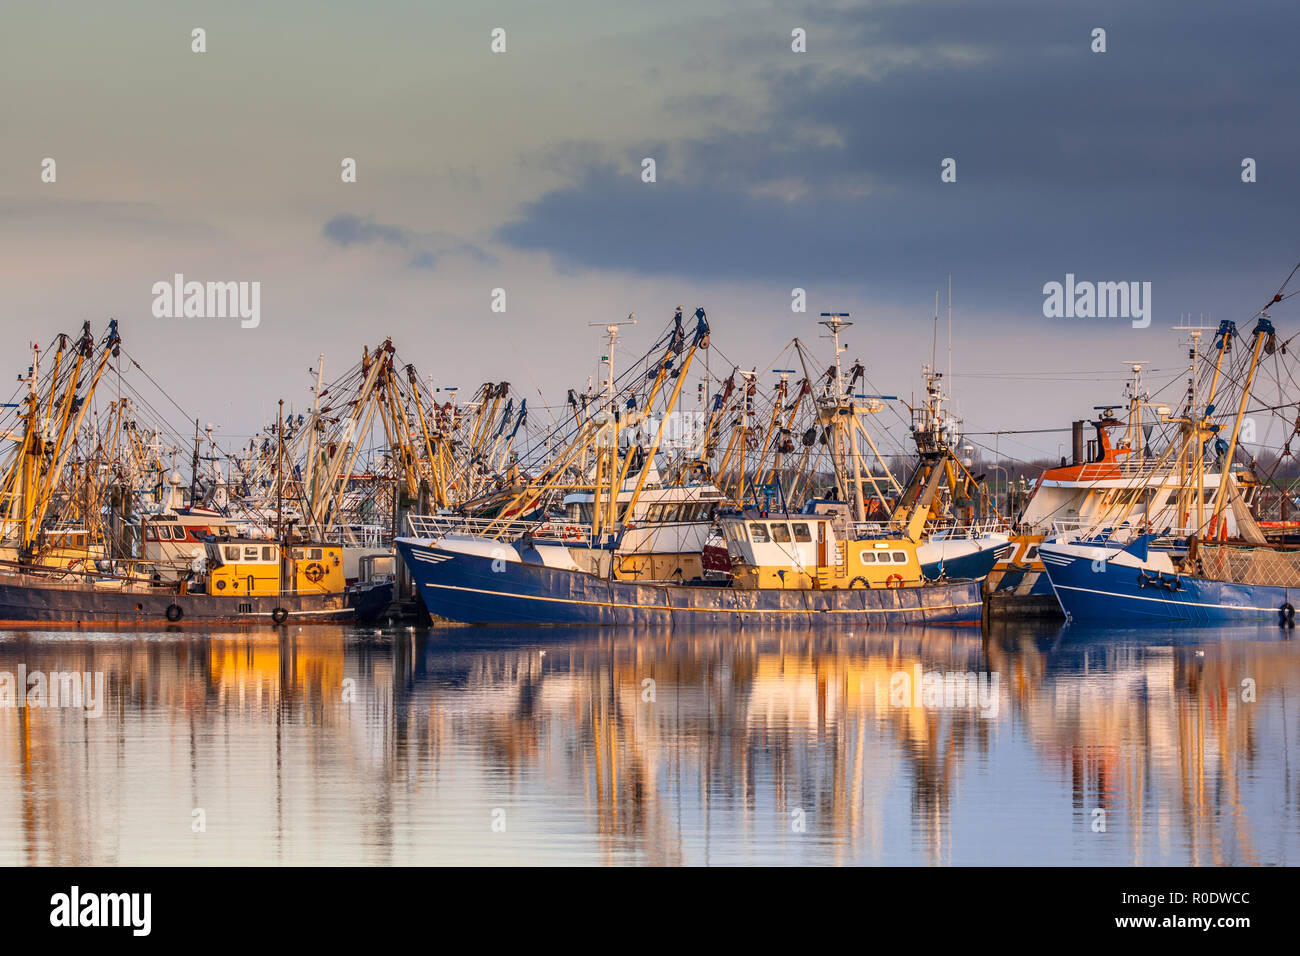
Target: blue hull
x,y
1025,582
466,588
1116,593
974,566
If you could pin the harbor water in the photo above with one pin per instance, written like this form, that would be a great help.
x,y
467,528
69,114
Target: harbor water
x,y
1031,743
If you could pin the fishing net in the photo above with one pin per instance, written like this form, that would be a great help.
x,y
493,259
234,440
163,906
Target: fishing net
x,y
1251,566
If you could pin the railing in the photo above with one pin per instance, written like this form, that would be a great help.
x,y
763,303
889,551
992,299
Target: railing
x,y
439,526
949,530
1092,531
865,530
359,536
945,530
123,570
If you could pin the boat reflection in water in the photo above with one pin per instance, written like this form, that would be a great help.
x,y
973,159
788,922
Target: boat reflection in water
x,y
332,745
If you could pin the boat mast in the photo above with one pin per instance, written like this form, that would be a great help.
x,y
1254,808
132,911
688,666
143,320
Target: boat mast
x,y
1264,336
1194,458
1135,401
844,441
608,442
279,476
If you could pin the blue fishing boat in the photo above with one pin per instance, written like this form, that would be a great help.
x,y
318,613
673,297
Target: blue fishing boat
x,y
1197,573
813,581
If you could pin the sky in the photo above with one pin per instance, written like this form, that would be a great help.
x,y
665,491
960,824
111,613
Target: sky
x,y
522,170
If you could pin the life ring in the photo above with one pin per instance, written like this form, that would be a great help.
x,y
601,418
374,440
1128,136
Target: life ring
x,y
894,581
854,583
279,615
174,612
571,533
313,572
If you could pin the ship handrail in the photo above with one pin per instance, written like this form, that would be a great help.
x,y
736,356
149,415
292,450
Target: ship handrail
x,y
439,526
948,530
56,575
1097,531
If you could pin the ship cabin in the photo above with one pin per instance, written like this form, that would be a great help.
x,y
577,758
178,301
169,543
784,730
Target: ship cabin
x,y
664,537
254,566
801,552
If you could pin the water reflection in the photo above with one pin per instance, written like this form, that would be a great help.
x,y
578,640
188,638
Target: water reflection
x,y
327,745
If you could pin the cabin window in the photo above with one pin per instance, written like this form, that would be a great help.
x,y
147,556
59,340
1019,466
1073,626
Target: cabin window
x,y
1032,552
232,554
802,532
296,554
266,553
150,533
780,532
885,557
316,554
758,533
250,553
178,532
900,557
869,557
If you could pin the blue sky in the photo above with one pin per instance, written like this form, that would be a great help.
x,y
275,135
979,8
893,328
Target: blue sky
x,y
521,170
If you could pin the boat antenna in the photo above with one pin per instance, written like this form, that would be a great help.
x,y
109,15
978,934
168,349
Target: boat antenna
x,y
611,330
836,321
934,339
279,476
950,329
194,467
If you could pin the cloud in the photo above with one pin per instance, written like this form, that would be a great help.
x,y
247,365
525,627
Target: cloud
x,y
422,250
1125,164
348,230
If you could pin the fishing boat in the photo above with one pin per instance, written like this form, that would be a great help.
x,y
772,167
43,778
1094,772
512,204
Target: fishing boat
x,y
240,581
1109,475
787,568
937,508
1123,568
787,572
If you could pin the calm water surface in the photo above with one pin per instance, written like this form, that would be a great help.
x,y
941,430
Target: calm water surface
x,y
475,746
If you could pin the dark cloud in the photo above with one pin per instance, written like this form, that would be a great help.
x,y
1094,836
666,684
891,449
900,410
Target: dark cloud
x,y
353,230
423,251
1125,164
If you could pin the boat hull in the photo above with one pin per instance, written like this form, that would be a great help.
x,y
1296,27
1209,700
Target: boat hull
x,y
476,589
967,558
26,599
1092,590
